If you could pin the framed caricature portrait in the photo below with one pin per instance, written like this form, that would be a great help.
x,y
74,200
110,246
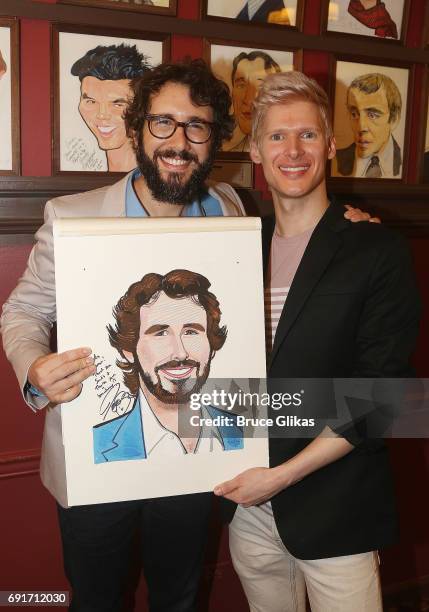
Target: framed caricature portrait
x,y
243,69
9,97
91,90
370,120
161,7
274,12
371,18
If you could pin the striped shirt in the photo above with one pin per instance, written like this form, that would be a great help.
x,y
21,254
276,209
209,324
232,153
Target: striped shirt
x,y
285,257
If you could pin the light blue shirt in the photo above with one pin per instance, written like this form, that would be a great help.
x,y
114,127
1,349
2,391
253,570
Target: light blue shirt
x,y
208,206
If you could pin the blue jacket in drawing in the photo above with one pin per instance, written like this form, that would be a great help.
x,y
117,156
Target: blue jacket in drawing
x,y
122,439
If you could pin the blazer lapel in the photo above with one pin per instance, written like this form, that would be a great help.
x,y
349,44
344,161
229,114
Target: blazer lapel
x,y
322,247
128,440
268,224
114,199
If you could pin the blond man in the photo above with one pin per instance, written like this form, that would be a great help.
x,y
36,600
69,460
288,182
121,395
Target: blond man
x,y
341,302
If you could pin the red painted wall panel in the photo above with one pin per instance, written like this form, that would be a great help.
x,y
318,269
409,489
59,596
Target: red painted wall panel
x,y
35,98
20,428
185,46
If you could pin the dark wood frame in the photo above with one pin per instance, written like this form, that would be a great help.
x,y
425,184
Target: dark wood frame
x,y
55,97
424,106
125,6
401,40
13,25
425,33
298,21
297,63
389,183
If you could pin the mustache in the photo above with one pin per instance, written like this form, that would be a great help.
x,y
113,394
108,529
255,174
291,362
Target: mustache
x,y
185,363
183,155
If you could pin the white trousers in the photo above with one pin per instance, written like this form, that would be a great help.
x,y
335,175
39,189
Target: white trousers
x,y
275,581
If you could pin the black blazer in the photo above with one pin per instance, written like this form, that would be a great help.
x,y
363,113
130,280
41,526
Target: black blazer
x,y
352,311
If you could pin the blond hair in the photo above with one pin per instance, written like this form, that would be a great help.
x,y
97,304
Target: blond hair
x,y
284,87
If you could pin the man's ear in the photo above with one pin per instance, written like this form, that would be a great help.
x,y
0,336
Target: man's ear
x,y
128,356
332,148
394,124
254,153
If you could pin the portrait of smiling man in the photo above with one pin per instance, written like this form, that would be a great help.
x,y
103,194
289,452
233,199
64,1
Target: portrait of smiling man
x,y
167,332
105,73
374,106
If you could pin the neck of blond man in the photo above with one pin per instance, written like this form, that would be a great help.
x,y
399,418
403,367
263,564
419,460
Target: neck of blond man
x,y
294,216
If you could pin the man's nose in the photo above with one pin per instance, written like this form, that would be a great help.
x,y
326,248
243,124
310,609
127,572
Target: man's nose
x,y
363,122
178,140
178,350
293,146
103,111
249,95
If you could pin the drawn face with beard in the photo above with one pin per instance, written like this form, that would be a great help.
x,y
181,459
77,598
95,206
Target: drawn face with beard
x,y
173,350
175,168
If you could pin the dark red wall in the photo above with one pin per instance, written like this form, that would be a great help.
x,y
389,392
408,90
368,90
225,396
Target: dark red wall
x,y
31,557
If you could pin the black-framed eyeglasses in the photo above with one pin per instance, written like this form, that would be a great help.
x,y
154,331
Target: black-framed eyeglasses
x,y
196,130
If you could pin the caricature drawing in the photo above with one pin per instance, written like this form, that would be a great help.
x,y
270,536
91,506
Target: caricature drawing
x,y
374,105
167,331
105,73
247,75
374,15
269,11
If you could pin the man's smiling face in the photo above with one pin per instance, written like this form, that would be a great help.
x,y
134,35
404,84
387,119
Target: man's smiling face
x,y
175,168
173,349
102,105
293,149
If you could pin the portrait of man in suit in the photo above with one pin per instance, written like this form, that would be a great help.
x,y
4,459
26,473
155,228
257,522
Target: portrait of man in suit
x,y
248,72
167,331
270,11
105,73
374,106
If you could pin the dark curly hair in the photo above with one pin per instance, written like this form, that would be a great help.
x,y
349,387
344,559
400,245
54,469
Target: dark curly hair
x,y
111,63
205,90
176,284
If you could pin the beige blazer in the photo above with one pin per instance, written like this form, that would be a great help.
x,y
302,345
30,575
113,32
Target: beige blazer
x,y
30,311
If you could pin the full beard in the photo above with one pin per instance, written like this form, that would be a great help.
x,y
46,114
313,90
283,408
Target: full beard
x,y
173,190
182,395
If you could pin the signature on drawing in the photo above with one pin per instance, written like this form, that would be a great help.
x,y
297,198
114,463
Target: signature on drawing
x,y
115,402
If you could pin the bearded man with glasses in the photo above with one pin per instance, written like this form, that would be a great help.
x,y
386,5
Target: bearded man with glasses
x,y
178,119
